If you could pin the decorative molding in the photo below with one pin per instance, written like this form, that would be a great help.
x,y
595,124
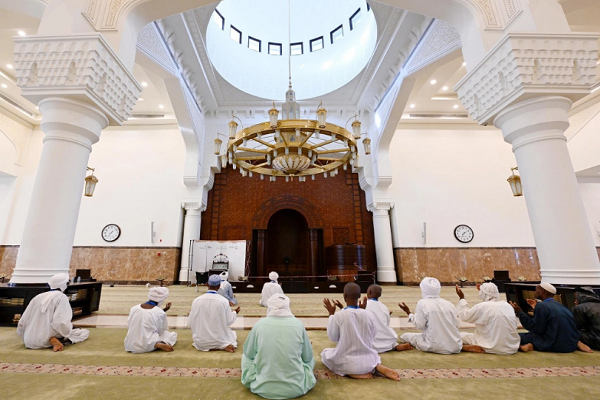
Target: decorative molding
x,y
18,133
582,118
440,39
193,206
150,43
487,11
274,204
526,65
81,67
380,205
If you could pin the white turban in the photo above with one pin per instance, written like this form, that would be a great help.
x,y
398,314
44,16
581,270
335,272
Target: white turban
x,y
59,281
279,306
273,276
430,288
489,292
224,275
158,294
548,287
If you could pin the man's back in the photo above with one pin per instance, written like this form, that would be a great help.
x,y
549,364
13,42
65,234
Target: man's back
x,y
386,337
48,315
553,326
587,318
209,319
438,320
281,358
353,329
145,327
268,290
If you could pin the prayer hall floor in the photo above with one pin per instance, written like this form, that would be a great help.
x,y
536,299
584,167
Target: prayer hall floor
x,y
100,368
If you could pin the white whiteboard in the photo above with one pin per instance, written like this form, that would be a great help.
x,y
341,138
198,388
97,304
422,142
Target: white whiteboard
x,y
203,252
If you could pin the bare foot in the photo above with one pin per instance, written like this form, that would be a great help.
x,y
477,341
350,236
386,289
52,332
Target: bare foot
x,y
56,344
361,376
584,347
164,346
526,347
471,348
229,349
387,372
403,347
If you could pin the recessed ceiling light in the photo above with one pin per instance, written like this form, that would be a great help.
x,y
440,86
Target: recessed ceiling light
x,y
161,106
433,82
37,108
455,106
141,99
22,33
464,64
9,66
445,88
412,106
4,86
144,84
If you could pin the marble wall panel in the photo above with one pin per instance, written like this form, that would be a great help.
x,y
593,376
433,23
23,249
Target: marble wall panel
x,y
131,265
447,263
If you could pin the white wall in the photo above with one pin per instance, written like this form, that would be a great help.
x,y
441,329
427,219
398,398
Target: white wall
x,y
452,176
140,171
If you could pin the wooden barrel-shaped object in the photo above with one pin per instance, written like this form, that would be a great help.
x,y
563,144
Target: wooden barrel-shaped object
x,y
345,260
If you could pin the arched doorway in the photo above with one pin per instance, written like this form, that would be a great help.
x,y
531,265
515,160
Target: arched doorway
x,y
287,247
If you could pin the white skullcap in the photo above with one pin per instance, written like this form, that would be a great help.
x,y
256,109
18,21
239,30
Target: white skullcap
x,y
59,281
489,291
158,294
430,288
279,306
548,287
273,275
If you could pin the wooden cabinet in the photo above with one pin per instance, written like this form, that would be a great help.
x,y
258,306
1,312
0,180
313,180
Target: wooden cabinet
x,y
83,297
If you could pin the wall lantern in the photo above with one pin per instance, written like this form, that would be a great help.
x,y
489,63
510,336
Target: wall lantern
x,y
515,183
218,143
90,183
367,145
321,116
273,114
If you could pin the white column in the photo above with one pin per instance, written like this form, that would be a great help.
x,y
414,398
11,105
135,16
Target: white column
x,y
191,231
71,128
386,271
565,247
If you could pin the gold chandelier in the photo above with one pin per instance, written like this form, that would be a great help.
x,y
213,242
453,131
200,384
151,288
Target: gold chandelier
x,y
292,147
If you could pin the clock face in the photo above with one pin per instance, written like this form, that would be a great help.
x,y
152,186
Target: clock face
x,y
111,232
463,233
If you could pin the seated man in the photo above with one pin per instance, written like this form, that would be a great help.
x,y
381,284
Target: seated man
x,y
438,320
226,290
148,325
210,319
278,358
47,320
587,317
270,288
386,338
353,329
495,322
552,327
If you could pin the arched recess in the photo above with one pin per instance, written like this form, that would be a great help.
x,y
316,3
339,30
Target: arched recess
x,y
8,156
271,206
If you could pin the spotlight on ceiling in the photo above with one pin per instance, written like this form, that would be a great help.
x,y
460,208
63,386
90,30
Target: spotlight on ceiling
x,y
22,33
464,63
433,81
4,86
412,106
161,106
445,88
144,84
9,66
455,106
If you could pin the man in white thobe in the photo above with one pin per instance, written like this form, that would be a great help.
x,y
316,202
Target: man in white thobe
x,y
226,290
47,320
386,338
210,319
270,288
148,325
495,322
438,320
353,329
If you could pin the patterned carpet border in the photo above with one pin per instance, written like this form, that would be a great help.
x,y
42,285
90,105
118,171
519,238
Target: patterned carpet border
x,y
455,373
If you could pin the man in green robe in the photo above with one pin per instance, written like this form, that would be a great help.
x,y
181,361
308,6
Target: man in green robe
x,y
278,357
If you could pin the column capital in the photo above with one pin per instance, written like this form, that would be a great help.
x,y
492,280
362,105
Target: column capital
x,y
522,66
380,205
82,67
193,206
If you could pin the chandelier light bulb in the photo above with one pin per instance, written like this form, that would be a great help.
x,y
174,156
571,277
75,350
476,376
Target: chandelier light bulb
x,y
262,177
287,150
313,177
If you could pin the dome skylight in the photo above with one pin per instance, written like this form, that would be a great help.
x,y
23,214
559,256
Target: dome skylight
x,y
331,42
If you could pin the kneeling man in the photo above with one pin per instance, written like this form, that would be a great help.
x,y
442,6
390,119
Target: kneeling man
x,y
278,358
47,320
552,327
148,325
211,318
270,288
438,320
495,322
386,338
353,329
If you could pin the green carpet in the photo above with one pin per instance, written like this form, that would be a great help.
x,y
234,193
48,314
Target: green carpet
x,y
118,300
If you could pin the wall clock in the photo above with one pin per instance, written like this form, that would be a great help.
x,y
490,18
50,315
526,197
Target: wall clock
x,y
463,233
111,232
